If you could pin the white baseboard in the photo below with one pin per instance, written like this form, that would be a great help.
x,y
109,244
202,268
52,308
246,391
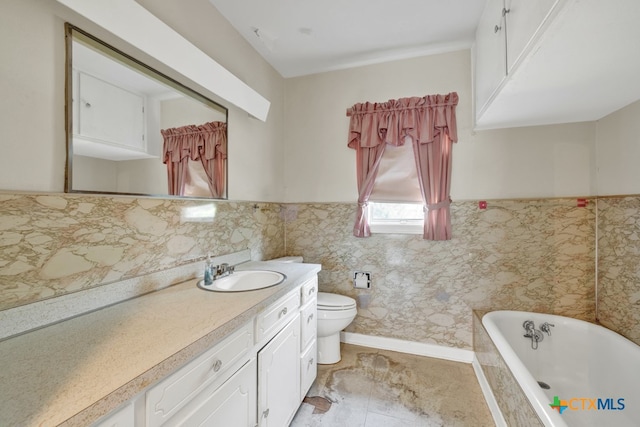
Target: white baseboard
x,y
496,413
411,347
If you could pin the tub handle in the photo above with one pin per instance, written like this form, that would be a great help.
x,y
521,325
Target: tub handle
x,y
546,327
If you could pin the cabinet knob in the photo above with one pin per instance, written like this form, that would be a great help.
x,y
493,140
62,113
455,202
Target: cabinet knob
x,y
265,413
505,11
217,365
311,362
87,104
283,312
312,290
497,28
310,318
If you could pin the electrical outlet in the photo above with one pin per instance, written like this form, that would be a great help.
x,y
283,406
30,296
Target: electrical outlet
x,y
362,280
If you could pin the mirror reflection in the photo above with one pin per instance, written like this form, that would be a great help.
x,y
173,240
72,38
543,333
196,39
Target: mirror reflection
x,y
132,130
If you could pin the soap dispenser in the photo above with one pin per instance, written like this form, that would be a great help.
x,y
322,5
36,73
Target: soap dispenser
x,y
208,271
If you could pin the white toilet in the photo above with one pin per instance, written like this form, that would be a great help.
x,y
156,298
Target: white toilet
x,y
335,312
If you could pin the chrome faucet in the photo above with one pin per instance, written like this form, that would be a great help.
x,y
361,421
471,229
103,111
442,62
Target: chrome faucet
x,y
531,332
529,327
546,327
222,270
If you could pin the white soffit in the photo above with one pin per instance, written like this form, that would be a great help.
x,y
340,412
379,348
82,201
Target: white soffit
x,y
137,26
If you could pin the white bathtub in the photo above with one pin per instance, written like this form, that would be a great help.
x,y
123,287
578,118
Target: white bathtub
x,y
592,370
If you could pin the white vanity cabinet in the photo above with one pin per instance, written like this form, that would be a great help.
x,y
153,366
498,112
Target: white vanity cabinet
x,y
287,364
278,335
232,404
183,395
308,335
256,376
279,377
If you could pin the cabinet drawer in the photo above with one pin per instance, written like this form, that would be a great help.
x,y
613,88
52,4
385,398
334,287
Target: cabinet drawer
x,y
308,368
165,399
277,315
308,323
309,290
232,404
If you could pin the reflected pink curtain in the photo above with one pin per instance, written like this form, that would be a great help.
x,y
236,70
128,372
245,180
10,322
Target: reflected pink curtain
x,y
206,143
430,122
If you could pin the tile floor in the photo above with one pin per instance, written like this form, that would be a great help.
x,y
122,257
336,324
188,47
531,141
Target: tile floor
x,y
372,388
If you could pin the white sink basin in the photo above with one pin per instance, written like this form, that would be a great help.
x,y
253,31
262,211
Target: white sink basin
x,y
247,280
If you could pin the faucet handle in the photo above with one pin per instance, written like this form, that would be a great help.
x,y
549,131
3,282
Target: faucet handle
x,y
546,327
528,324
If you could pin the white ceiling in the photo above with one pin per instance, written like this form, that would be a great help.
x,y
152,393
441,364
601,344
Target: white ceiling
x,y
299,37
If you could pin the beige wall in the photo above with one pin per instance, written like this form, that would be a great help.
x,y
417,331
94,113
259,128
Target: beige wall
x,y
543,161
618,152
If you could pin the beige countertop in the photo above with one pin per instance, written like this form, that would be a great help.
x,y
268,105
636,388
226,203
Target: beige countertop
x,y
73,372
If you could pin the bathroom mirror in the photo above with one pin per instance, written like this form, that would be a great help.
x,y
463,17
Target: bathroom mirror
x,y
124,120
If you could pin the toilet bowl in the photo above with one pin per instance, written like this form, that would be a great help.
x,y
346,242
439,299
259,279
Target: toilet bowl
x,y
335,312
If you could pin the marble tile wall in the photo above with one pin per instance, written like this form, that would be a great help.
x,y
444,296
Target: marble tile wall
x,y
619,265
536,255
55,244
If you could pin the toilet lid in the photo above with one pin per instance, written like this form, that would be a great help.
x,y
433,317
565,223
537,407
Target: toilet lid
x,y
328,301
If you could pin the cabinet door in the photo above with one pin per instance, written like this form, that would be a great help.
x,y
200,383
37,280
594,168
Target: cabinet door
x,y
524,19
233,404
308,368
279,377
109,113
490,54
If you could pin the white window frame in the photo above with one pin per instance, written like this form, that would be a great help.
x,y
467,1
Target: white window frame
x,y
394,226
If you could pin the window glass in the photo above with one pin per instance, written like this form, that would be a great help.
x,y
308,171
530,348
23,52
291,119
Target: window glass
x,y
405,218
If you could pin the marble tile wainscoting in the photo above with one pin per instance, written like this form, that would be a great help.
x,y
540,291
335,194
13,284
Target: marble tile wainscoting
x,y
534,255
55,244
619,265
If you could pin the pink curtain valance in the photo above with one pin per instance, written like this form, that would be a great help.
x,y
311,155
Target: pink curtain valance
x,y
206,143
208,140
421,118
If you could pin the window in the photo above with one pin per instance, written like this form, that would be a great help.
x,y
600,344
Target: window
x,y
395,203
402,218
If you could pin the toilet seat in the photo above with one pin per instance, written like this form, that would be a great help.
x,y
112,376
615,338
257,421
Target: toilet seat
x,y
334,302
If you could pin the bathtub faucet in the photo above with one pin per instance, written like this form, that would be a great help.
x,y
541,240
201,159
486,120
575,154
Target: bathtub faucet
x,y
529,327
531,332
